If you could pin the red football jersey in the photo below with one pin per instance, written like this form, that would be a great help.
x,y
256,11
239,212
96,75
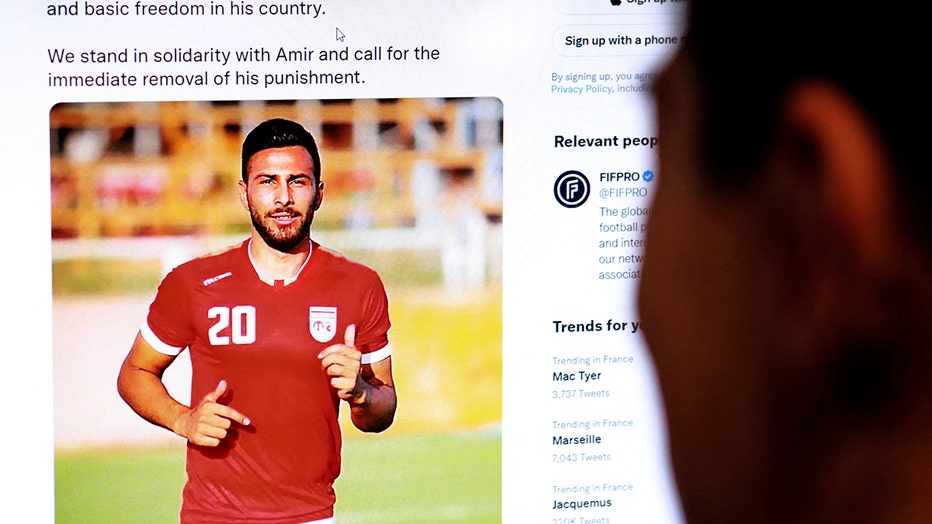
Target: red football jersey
x,y
264,341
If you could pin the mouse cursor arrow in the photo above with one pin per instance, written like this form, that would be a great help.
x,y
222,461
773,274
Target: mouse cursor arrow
x,y
340,35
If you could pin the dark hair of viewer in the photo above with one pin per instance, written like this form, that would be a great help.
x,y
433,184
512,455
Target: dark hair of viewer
x,y
279,132
748,56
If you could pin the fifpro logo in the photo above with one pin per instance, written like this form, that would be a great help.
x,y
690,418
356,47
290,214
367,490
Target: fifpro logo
x,y
571,189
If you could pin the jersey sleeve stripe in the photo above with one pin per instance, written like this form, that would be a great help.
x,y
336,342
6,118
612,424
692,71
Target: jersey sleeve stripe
x,y
377,355
157,343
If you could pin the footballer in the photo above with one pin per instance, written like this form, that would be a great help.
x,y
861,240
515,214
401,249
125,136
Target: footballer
x,y
280,330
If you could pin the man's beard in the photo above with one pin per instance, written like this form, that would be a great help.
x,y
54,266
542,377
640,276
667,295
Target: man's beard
x,y
282,239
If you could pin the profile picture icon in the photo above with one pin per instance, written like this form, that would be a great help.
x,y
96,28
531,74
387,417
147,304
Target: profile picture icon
x,y
571,189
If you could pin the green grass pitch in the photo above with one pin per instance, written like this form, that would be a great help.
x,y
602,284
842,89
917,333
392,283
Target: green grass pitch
x,y
410,479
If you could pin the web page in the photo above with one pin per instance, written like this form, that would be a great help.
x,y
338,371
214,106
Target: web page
x,y
492,162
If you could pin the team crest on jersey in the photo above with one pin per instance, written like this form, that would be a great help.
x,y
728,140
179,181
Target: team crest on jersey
x,y
323,323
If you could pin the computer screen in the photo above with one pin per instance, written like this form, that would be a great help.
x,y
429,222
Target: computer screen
x,y
492,162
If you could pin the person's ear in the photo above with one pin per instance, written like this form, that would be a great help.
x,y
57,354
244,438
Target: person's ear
x,y
319,197
242,194
851,172
842,248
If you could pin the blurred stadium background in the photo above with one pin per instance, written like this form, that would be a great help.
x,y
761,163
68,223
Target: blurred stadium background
x,y
413,189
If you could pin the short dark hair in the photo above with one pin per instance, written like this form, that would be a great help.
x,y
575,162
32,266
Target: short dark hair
x,y
748,55
279,132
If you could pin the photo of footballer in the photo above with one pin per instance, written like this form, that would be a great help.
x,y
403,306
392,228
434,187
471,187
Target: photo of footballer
x,y
278,332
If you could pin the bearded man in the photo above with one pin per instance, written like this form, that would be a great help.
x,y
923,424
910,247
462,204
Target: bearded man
x,y
280,330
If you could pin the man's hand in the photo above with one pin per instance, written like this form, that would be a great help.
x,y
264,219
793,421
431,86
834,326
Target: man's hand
x,y
342,363
208,423
368,389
